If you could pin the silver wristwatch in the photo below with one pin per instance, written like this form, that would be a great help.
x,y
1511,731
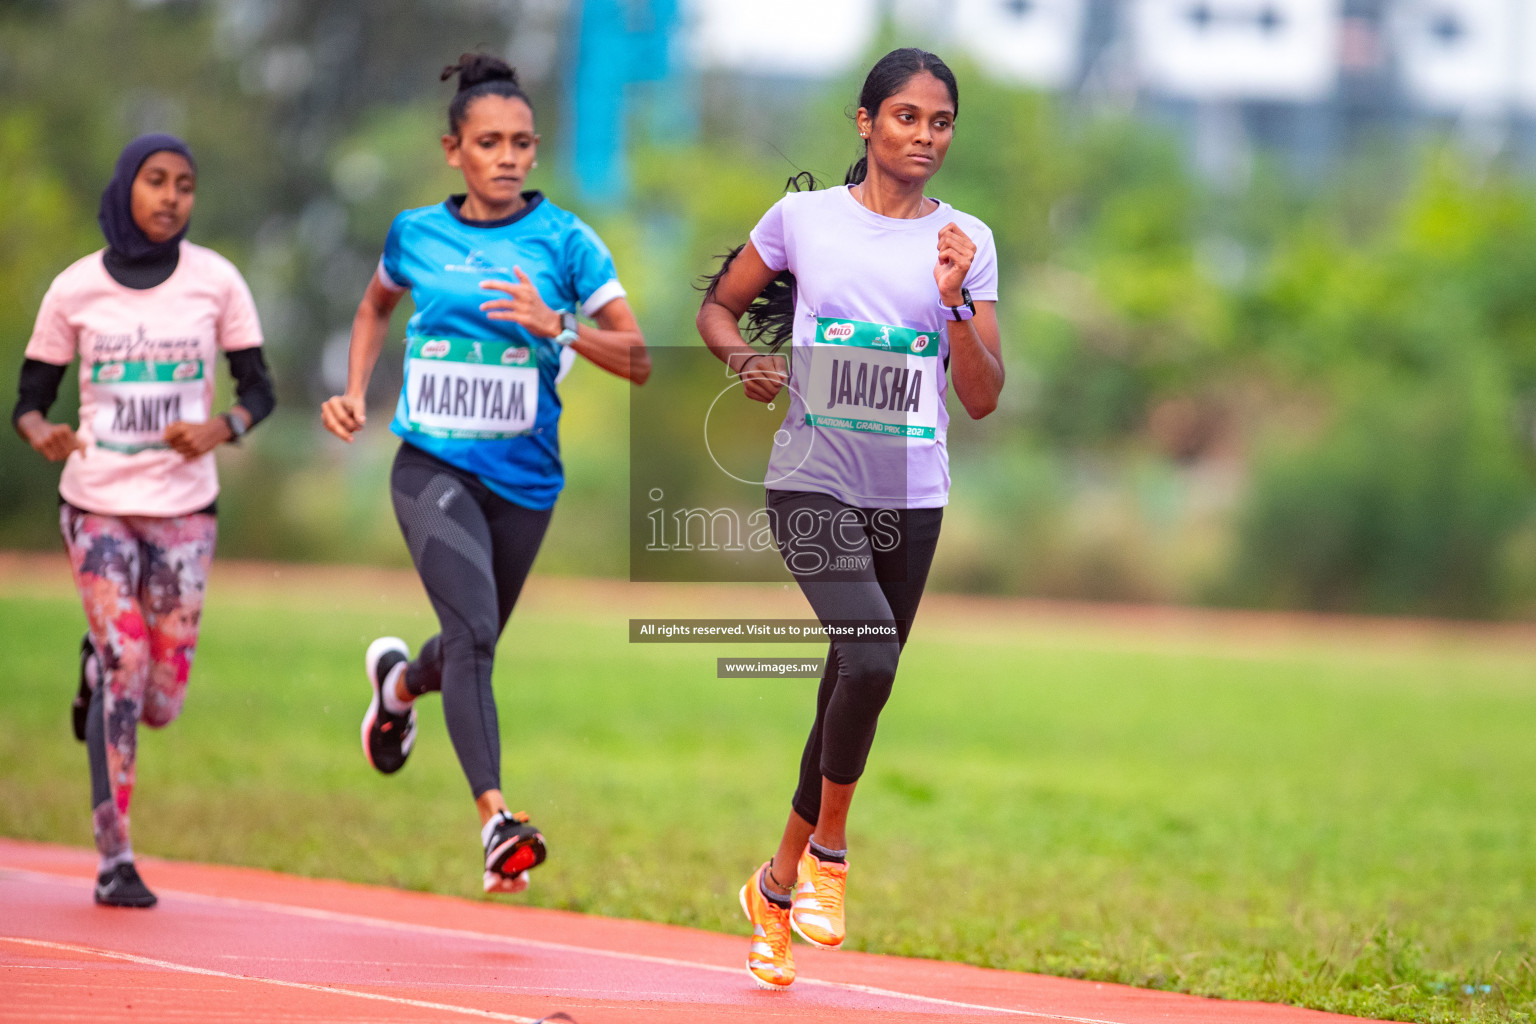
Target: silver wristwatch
x,y
567,335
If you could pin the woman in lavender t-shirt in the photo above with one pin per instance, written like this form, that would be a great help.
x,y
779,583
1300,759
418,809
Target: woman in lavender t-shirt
x,y
886,296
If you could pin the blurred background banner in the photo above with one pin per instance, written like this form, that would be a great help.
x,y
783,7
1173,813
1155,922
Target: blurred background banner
x,y
1284,50
1469,56
1269,266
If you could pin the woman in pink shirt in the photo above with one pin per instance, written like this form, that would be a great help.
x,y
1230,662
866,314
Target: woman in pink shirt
x,y
146,316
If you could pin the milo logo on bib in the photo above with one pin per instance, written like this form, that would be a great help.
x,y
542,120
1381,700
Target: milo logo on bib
x,y
859,334
873,378
473,390
136,401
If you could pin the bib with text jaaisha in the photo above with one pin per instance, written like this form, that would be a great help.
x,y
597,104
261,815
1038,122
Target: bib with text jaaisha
x,y
873,378
472,390
138,400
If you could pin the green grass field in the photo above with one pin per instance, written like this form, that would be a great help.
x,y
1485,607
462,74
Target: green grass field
x,y
1335,821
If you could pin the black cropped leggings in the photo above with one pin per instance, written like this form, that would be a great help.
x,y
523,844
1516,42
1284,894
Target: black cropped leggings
x,y
472,549
854,565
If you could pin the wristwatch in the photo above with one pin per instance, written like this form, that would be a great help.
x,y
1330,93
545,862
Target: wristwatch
x,y
964,311
567,333
236,426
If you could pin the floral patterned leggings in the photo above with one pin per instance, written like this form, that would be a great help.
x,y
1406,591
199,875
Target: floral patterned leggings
x,y
142,580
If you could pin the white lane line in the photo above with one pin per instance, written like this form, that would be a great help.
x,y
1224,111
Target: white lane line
x,y
36,967
353,963
420,1004
561,947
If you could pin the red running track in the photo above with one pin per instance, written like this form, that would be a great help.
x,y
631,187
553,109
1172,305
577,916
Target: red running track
x,y
236,944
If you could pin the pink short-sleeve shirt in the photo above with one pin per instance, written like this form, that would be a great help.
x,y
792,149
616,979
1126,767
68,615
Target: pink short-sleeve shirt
x,y
147,360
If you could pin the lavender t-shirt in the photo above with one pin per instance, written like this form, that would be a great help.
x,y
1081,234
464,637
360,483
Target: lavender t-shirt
x,y
866,421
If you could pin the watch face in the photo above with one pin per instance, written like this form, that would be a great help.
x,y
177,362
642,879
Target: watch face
x,y
568,322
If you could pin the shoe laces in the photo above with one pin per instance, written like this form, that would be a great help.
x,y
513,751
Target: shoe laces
x,y
506,823
830,887
775,925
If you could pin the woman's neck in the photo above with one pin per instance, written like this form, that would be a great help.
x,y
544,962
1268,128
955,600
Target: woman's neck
x,y
891,197
475,208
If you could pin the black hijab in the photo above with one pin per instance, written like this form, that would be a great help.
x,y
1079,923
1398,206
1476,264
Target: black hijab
x,y
126,242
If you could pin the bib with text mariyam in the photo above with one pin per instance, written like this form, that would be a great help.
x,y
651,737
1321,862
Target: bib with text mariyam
x,y
470,390
136,401
873,378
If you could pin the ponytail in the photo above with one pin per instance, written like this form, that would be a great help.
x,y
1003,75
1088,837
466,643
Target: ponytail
x,y
771,316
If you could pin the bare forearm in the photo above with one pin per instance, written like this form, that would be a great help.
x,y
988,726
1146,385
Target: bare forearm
x,y
976,371
370,328
721,330
621,353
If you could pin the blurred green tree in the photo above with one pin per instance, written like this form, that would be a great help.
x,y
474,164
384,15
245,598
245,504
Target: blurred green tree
x,y
1268,392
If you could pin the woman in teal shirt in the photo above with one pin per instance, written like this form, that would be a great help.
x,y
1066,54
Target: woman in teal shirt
x,y
499,276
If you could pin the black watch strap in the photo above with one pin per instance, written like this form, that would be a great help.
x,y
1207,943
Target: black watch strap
x,y
966,302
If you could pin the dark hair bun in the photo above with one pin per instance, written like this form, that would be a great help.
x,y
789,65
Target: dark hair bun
x,y
476,68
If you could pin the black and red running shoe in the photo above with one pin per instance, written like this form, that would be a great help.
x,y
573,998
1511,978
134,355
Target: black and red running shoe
x,y
512,847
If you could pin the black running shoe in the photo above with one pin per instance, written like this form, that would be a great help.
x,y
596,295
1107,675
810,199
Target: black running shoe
x,y
387,737
122,887
514,846
90,675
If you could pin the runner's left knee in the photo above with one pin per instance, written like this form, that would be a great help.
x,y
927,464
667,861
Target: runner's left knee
x,y
160,708
868,670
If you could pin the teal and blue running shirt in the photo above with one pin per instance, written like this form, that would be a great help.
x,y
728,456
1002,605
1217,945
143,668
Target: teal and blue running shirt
x,y
480,394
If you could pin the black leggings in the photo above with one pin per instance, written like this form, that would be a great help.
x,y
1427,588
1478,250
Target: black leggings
x,y
868,565
472,549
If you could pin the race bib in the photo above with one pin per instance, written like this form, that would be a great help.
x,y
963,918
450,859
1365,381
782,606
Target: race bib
x,y
873,378
470,389
137,401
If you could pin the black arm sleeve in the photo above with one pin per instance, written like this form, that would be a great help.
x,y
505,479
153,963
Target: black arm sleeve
x,y
38,388
253,384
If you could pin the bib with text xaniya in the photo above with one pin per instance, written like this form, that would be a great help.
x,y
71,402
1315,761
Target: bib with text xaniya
x,y
138,400
474,390
873,378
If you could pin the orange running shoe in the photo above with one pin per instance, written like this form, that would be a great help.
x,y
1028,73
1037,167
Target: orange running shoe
x,y
817,916
771,961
